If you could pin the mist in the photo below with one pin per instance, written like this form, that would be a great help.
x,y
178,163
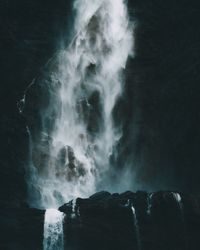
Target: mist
x,y
72,150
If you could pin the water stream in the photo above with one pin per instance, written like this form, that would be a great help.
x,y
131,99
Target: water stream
x,y
71,155
53,230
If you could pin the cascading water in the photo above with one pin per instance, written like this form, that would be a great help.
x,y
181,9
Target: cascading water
x,y
179,201
178,198
137,230
149,205
73,214
53,230
72,155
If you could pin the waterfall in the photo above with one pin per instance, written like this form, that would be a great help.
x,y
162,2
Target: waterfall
x,y
178,199
72,153
73,214
149,205
137,230
180,204
53,230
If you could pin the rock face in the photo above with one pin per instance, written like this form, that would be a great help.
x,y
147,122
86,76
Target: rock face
x,y
157,81
28,39
157,91
163,221
141,221
21,229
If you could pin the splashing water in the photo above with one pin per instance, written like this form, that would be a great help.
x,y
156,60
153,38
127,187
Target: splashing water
x,y
149,205
137,230
53,230
72,158
178,198
73,214
180,204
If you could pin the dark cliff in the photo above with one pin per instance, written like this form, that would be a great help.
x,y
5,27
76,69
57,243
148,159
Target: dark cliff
x,y
161,107
107,221
157,221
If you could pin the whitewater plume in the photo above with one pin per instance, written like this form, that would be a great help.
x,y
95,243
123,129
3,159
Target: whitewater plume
x,y
53,230
178,199
78,134
136,227
149,205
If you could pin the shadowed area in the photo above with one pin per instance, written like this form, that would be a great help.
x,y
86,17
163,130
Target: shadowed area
x,y
158,111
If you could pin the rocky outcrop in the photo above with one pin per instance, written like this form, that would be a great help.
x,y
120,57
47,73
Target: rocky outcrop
x,y
163,221
29,36
21,229
141,221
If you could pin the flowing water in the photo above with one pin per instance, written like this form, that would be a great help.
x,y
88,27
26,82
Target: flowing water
x,y
179,201
149,205
53,230
180,204
137,230
72,153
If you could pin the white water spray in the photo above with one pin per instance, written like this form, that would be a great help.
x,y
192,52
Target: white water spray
x,y
53,230
178,198
86,82
73,214
149,205
180,204
137,230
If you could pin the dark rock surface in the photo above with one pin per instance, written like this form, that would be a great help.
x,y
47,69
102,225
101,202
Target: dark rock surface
x,y
160,104
21,228
30,32
106,221
161,128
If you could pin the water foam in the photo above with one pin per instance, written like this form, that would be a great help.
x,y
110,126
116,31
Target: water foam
x,y
53,230
85,86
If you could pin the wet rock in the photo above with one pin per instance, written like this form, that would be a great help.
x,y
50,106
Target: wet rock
x,y
100,196
21,229
106,221
68,165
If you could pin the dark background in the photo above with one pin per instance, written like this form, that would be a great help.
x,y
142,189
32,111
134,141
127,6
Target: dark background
x,y
160,106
